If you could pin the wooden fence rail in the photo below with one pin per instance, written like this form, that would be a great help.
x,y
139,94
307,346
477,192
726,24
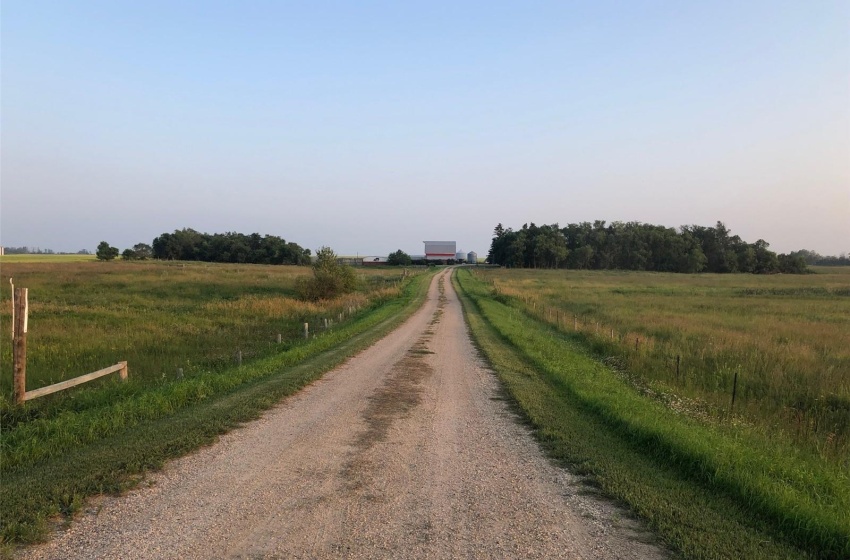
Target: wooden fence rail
x,y
61,386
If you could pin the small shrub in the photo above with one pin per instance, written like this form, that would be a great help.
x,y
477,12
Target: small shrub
x,y
330,278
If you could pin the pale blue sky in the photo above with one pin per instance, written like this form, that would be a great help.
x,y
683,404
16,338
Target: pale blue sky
x,y
371,126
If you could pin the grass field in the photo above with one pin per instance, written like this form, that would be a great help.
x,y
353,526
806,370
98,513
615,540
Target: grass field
x,y
98,437
714,483
786,337
163,316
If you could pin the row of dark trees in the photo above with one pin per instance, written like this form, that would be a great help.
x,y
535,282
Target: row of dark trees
x,y
636,246
39,251
28,251
815,259
189,245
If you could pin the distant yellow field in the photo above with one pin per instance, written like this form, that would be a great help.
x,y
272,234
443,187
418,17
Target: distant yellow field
x,y
45,258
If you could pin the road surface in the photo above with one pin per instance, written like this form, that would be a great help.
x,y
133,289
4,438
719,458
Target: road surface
x,y
405,451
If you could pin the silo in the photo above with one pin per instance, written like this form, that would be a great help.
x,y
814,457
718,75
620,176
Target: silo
x,y
460,256
472,257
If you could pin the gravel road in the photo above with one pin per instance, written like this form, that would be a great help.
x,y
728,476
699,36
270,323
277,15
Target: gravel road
x,y
405,451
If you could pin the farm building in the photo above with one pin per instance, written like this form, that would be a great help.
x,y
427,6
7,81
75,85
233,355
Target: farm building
x,y
367,261
440,250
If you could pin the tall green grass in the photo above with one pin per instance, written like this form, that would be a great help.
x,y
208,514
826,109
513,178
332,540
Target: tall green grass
x,y
792,495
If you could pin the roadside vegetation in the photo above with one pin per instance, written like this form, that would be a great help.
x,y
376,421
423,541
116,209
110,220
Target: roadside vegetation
x,y
713,481
159,317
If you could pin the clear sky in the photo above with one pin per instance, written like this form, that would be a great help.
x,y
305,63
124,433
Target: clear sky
x,y
372,126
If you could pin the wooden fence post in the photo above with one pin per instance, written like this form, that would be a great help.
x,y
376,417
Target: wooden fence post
x,y
124,372
20,310
734,391
279,338
306,330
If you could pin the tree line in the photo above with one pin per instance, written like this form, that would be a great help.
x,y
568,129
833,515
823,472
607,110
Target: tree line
x,y
637,246
815,259
231,247
39,251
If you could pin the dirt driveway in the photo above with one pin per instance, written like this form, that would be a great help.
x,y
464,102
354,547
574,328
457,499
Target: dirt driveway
x,y
405,451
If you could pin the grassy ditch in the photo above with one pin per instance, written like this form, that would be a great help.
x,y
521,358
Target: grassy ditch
x,y
709,491
51,465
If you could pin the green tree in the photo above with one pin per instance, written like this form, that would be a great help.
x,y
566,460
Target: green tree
x,y
583,257
766,260
330,278
105,252
399,258
128,255
142,251
792,264
516,250
550,247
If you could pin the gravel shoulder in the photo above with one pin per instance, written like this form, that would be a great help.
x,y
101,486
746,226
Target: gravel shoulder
x,y
405,451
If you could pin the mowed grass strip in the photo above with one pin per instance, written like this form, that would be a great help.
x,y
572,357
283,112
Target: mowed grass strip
x,y
104,450
709,494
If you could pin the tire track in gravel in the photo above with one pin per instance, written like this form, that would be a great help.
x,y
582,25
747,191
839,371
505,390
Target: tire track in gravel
x,y
405,451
